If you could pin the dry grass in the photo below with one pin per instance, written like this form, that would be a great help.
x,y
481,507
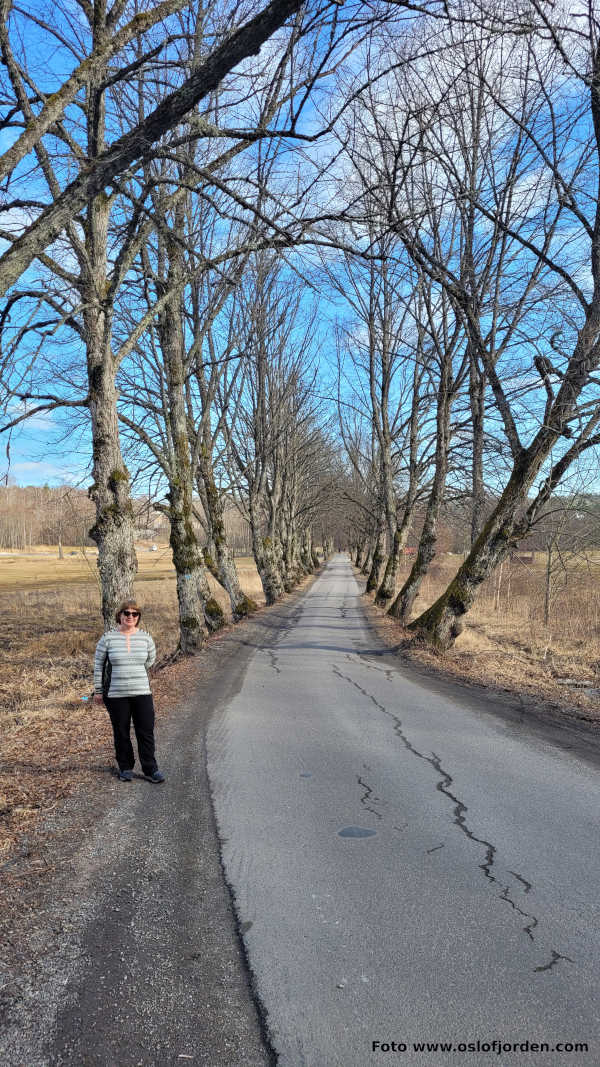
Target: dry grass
x,y
53,736
42,569
505,643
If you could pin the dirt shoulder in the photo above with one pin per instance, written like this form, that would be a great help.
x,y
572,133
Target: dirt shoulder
x,y
520,680
120,939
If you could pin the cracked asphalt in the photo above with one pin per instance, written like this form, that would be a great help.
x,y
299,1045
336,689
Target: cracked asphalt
x,y
410,860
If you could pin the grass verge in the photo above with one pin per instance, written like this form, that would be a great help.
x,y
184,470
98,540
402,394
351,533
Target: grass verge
x,y
507,646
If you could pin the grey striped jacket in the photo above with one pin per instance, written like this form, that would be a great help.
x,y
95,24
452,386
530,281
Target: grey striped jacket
x,y
130,656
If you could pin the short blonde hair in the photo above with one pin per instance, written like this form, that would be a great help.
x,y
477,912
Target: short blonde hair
x,y
129,604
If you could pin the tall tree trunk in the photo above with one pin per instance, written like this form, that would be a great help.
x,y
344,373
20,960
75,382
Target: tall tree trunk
x,y
366,566
316,562
213,612
267,564
477,402
403,604
306,551
287,570
387,589
291,558
377,561
113,530
273,543
292,561
361,551
196,605
264,556
187,561
388,583
220,562
388,586
441,623
548,588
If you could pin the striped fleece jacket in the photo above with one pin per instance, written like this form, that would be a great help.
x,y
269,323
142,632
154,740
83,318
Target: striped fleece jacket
x,y
130,655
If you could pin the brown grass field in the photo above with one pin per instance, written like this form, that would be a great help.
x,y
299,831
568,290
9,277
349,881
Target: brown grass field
x,y
54,738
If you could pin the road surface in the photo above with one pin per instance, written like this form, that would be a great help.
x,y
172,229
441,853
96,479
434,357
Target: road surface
x,y
408,865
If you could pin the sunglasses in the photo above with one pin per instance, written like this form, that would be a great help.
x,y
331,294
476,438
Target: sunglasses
x,y
131,614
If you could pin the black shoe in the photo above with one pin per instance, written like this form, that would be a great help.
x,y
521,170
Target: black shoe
x,y
126,776
156,777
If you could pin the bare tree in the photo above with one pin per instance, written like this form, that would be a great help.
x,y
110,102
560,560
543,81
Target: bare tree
x,y
99,170
127,214
535,179
382,375
270,403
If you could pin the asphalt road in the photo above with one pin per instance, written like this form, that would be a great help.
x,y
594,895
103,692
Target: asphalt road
x,y
408,863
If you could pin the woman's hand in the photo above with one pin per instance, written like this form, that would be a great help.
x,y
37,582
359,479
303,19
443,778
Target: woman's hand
x,y
98,698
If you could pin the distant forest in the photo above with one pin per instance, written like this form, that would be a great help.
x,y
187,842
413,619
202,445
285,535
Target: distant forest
x,y
44,515
34,515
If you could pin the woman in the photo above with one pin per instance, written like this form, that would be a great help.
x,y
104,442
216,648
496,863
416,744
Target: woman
x,y
130,652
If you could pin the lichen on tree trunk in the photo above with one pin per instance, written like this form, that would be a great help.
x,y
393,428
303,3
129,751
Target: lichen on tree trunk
x,y
268,570
306,551
218,557
388,585
193,592
264,555
113,530
403,604
361,554
189,573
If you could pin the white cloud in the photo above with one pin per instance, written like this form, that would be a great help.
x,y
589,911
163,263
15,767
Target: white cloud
x,y
30,472
45,420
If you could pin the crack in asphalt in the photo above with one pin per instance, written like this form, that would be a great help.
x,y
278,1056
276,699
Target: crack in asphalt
x,y
273,660
556,956
460,820
460,810
521,879
368,795
362,656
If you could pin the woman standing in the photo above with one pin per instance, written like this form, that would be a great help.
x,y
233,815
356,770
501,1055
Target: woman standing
x,y
130,652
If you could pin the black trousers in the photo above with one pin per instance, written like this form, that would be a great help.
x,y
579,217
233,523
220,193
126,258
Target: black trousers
x,y
141,709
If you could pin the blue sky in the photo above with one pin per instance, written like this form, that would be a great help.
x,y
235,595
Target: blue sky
x,y
46,451
38,456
